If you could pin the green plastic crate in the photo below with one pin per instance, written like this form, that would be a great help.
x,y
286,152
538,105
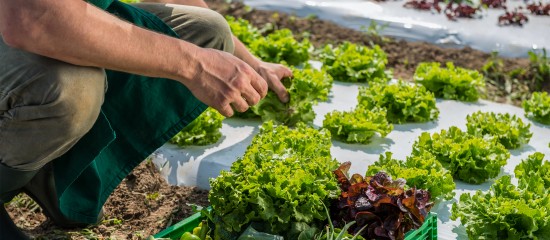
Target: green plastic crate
x,y
428,231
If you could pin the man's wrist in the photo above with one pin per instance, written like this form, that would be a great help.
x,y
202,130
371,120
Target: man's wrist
x,y
190,65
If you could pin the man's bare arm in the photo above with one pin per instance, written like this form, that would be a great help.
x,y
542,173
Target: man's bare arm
x,y
272,73
79,33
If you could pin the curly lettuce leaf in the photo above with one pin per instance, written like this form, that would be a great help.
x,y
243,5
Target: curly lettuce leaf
x,y
284,177
305,88
281,47
202,131
537,107
349,62
508,211
404,102
243,30
319,82
357,126
534,167
421,172
507,129
502,213
451,82
469,158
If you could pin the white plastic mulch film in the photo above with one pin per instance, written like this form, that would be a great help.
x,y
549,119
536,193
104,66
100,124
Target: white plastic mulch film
x,y
482,32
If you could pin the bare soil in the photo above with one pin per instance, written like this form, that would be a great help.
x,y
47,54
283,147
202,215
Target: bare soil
x,y
144,204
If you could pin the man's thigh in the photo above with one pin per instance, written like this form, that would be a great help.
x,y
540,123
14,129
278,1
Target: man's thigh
x,y
45,106
201,26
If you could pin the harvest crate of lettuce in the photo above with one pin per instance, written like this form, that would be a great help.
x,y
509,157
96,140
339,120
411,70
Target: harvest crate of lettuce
x,y
287,186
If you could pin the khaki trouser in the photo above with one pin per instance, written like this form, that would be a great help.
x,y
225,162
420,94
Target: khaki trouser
x,y
46,105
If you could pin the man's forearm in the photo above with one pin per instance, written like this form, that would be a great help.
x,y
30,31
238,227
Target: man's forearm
x,y
79,33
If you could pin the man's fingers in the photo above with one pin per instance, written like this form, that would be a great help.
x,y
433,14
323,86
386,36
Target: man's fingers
x,y
251,95
240,105
279,89
226,110
285,72
259,84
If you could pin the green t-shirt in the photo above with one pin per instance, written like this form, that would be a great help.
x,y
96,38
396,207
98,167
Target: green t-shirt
x,y
103,4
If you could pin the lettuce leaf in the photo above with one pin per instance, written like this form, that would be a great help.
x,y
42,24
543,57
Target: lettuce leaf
x,y
357,126
507,129
379,204
537,107
203,130
451,82
305,89
507,211
284,177
469,158
404,102
355,63
421,172
243,30
281,47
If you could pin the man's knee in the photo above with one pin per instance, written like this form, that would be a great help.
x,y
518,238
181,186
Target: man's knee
x,y
203,27
215,27
49,114
80,93
200,26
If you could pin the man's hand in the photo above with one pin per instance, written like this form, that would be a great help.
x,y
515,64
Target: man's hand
x,y
273,74
224,82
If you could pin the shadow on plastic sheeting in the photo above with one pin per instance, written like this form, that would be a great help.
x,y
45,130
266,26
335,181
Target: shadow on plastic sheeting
x,y
461,185
170,156
378,145
443,210
410,127
521,150
471,104
213,164
538,124
460,230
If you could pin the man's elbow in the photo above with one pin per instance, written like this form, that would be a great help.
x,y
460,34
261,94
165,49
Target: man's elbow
x,y
12,37
12,31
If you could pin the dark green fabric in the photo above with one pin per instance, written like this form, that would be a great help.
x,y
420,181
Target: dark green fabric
x,y
142,112
103,4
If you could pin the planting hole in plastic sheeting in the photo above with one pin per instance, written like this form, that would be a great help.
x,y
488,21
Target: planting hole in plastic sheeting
x,y
414,25
195,165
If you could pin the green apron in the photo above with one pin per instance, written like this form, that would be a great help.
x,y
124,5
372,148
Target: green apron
x,y
138,116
